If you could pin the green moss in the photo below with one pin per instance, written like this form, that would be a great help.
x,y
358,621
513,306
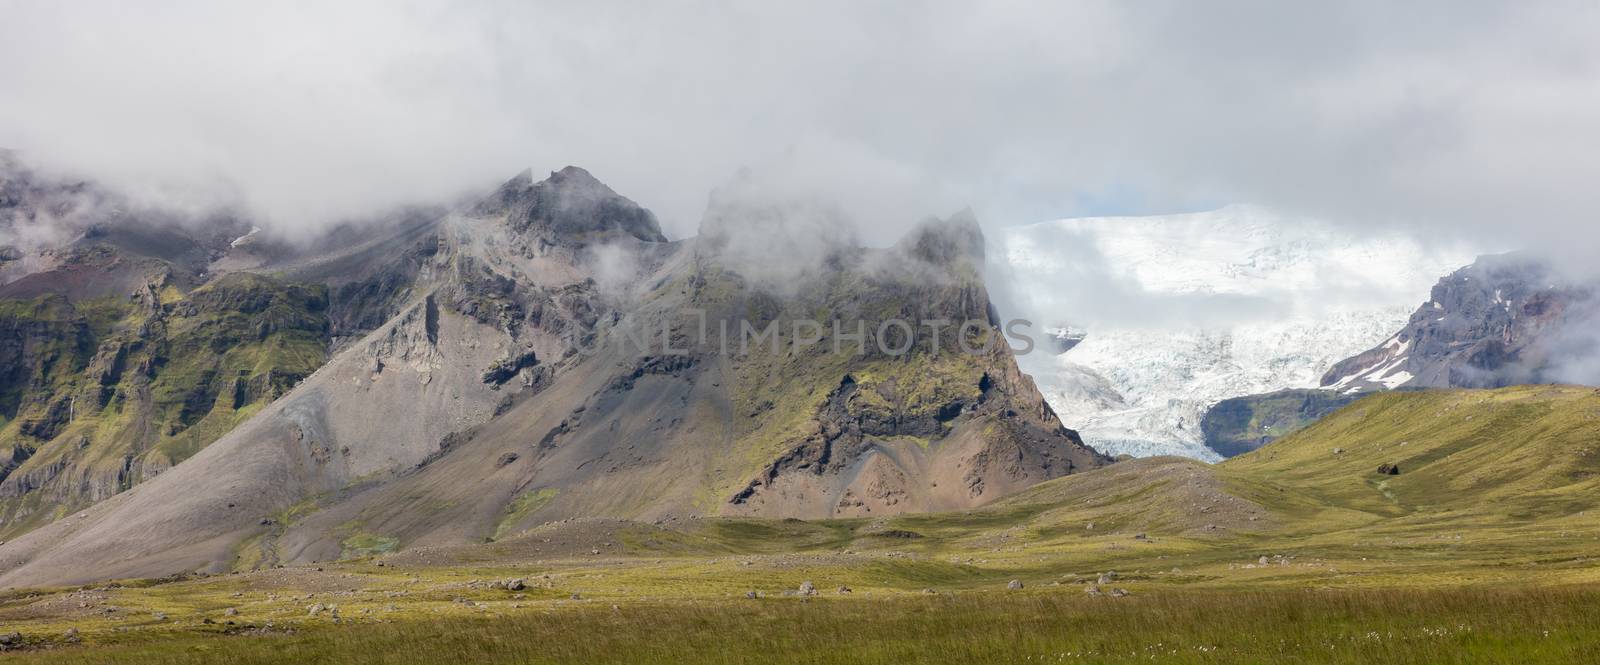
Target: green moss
x,y
157,385
521,507
365,544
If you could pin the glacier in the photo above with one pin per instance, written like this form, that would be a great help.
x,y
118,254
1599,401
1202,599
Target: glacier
x,y
1178,312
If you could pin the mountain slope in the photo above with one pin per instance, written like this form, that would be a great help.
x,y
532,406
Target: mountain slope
x,y
124,353
1197,308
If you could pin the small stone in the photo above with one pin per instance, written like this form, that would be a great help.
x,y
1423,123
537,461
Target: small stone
x,y
1014,585
230,612
844,590
1107,577
1263,560
807,588
751,595
516,584
929,590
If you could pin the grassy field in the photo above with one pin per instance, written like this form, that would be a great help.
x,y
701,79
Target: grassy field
x,y
1480,550
1458,626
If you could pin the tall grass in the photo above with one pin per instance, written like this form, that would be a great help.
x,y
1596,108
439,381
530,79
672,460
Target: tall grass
x,y
1399,627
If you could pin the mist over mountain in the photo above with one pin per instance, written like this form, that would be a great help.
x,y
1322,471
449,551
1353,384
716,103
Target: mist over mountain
x,y
1504,320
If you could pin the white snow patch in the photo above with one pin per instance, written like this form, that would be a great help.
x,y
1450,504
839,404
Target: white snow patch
x,y
1396,380
237,241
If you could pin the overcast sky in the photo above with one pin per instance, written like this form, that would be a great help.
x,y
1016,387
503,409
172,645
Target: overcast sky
x,y
1454,118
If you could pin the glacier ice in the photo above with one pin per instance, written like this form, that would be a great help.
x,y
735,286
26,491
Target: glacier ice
x,y
1178,312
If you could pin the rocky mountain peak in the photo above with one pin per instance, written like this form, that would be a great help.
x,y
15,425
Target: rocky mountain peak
x,y
569,207
1505,319
947,241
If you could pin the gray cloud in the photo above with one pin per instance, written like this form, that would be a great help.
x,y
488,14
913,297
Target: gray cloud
x,y
1449,118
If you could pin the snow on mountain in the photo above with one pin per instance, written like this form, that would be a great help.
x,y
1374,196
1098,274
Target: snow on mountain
x,y
1179,312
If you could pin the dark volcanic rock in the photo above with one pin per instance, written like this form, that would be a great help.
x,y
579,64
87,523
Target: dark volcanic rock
x,y
1242,424
570,207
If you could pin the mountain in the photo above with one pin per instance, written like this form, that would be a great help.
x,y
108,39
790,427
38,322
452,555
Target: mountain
x,y
1506,319
544,354
1200,308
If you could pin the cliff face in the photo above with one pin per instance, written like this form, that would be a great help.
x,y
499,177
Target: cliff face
x,y
1504,320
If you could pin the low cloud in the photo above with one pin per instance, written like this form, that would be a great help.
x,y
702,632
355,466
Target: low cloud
x,y
1443,118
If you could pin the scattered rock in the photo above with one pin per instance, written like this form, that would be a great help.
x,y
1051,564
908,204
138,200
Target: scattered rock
x,y
315,609
230,612
844,590
1014,585
1118,593
929,590
1107,577
807,588
1263,560
1092,589
11,639
160,616
1389,469
516,584
1338,451
751,595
